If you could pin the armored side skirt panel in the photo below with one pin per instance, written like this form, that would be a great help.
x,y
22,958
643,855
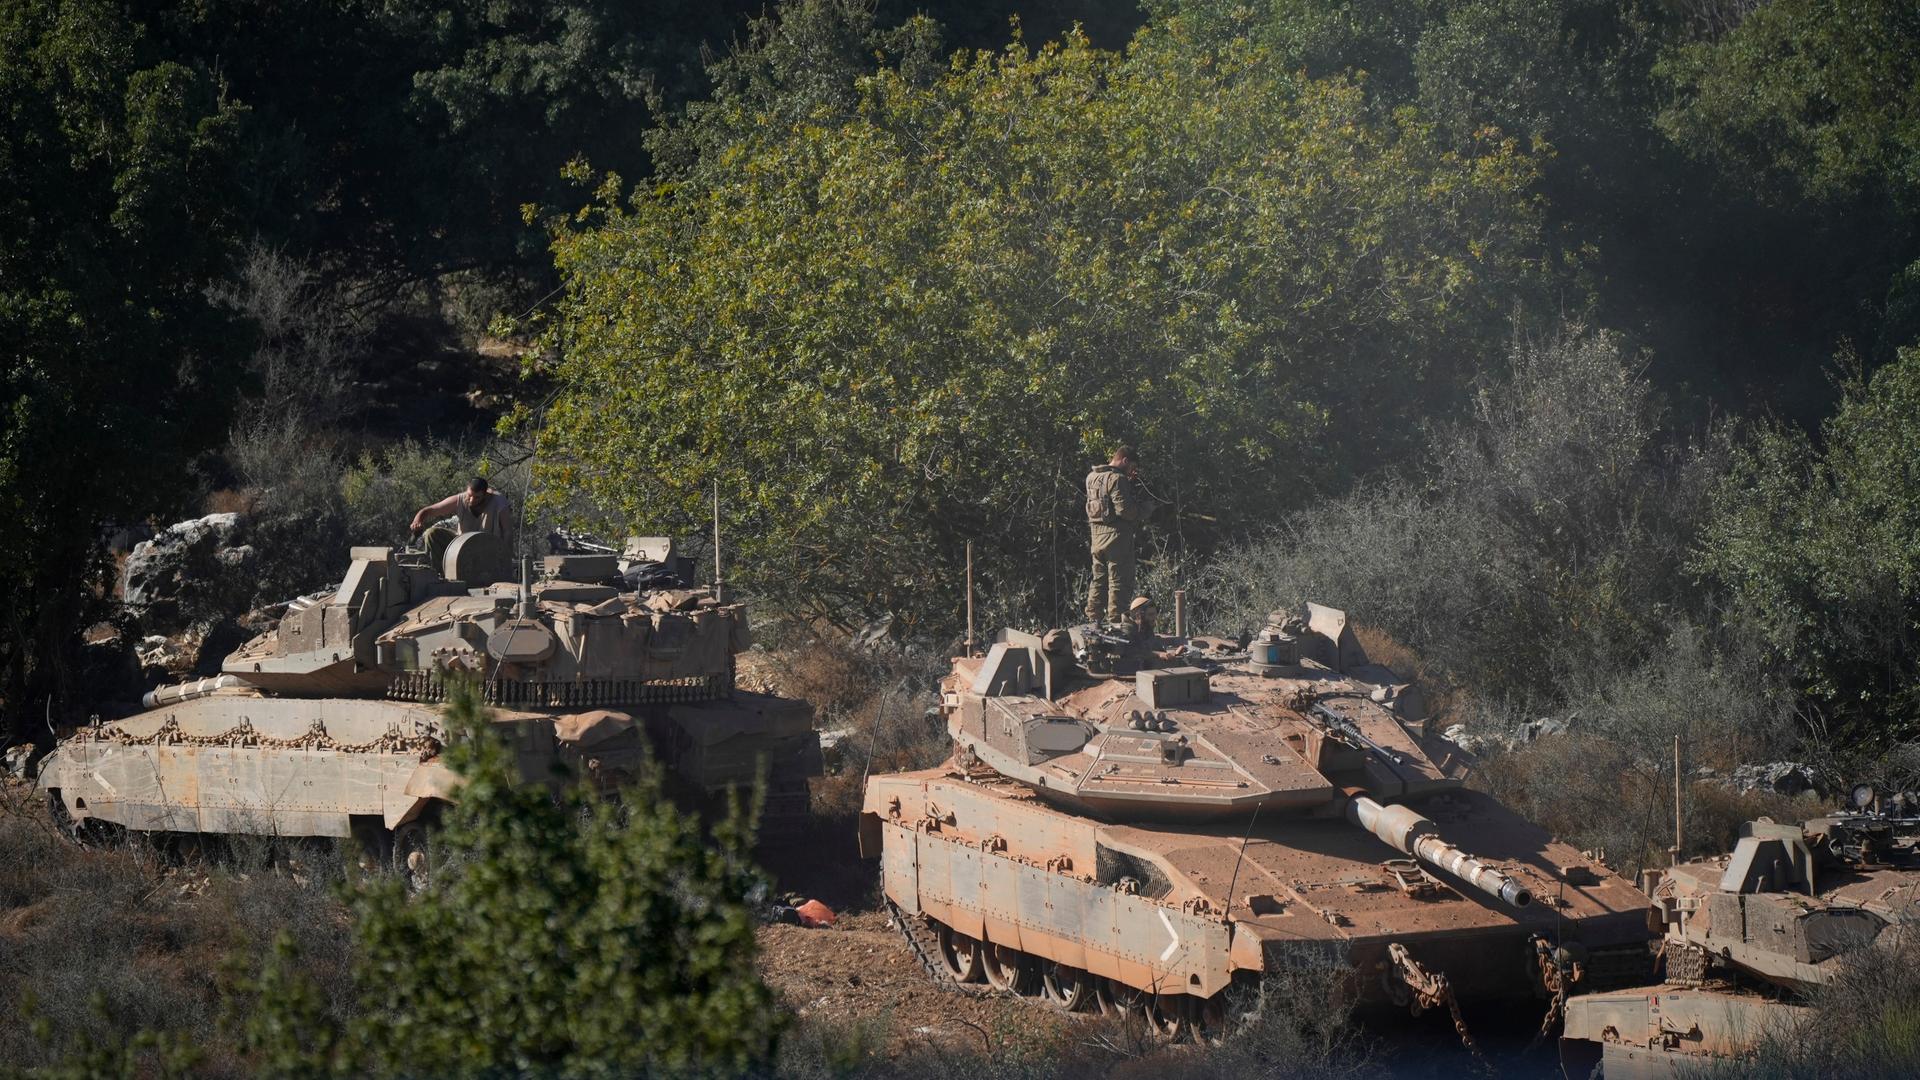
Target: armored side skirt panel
x,y
233,790
1054,916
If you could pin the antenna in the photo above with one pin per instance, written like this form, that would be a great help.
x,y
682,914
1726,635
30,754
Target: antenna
x,y
1235,880
526,586
719,584
970,598
1677,819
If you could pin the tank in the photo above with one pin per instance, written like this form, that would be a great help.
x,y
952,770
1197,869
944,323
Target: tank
x,y
1748,934
1138,822
330,725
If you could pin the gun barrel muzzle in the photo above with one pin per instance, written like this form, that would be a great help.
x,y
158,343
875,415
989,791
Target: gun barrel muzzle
x,y
1412,834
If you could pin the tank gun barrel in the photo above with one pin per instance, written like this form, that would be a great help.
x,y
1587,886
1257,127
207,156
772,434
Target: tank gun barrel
x,y
187,691
1411,834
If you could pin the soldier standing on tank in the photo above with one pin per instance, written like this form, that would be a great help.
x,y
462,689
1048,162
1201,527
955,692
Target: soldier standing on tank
x,y
1116,505
477,509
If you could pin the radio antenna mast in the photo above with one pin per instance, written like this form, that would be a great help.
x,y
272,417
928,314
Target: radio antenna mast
x,y
1238,859
719,584
970,641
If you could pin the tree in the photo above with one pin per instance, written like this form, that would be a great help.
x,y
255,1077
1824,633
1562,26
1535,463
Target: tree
x,y
887,332
1738,288
1819,94
116,163
1819,546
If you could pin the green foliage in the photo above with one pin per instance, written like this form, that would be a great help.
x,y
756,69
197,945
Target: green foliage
x,y
1733,291
106,1049
1544,544
1823,94
563,934
391,142
885,332
282,1022
116,163
382,490
1820,548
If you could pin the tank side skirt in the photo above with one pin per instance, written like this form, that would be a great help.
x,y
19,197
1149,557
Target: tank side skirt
x,y
233,790
1057,917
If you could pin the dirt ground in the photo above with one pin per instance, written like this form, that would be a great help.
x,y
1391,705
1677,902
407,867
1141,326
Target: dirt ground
x,y
862,968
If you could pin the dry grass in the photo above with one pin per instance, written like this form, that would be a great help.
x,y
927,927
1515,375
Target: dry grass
x,y
1599,795
877,699
232,501
1289,1026
100,943
1865,1025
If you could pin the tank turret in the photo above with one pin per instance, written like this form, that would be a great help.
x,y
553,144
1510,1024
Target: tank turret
x,y
1161,817
328,723
399,625
1748,934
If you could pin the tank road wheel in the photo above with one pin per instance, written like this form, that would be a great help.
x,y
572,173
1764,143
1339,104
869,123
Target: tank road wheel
x,y
413,854
1210,1019
1007,969
1119,999
961,956
80,832
1171,1016
1067,987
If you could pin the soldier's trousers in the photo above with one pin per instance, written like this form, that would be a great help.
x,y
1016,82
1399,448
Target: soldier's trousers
x,y
1112,587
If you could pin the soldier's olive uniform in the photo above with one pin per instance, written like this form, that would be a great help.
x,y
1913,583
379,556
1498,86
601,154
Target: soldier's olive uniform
x,y
1115,508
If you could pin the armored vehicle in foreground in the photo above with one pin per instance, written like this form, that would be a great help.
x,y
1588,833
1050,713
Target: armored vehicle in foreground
x,y
1747,935
1144,823
329,725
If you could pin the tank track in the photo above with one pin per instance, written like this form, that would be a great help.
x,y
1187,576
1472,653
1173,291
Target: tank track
x,y
920,942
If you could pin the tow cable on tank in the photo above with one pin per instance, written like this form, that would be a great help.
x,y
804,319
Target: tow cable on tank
x,y
1410,984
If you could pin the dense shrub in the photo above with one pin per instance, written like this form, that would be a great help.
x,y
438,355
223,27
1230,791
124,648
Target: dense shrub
x,y
1542,543
562,934
1816,546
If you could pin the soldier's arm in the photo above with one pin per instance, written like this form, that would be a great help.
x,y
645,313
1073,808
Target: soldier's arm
x,y
434,512
1130,502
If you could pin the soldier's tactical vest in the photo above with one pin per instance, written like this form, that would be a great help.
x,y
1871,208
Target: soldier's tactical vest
x,y
1100,484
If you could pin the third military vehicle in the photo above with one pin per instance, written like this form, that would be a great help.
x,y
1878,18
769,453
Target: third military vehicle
x,y
1142,822
1747,935
330,725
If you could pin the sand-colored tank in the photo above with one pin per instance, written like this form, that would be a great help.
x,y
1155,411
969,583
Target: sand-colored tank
x,y
1748,935
1146,822
329,725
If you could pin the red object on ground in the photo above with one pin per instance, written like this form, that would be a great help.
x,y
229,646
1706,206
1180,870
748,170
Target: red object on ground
x,y
815,914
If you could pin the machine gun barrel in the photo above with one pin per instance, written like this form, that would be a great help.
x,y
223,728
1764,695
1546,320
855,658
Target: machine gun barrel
x,y
1410,833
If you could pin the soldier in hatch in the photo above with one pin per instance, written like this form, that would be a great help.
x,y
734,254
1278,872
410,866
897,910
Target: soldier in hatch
x,y
1116,505
477,509
1140,618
